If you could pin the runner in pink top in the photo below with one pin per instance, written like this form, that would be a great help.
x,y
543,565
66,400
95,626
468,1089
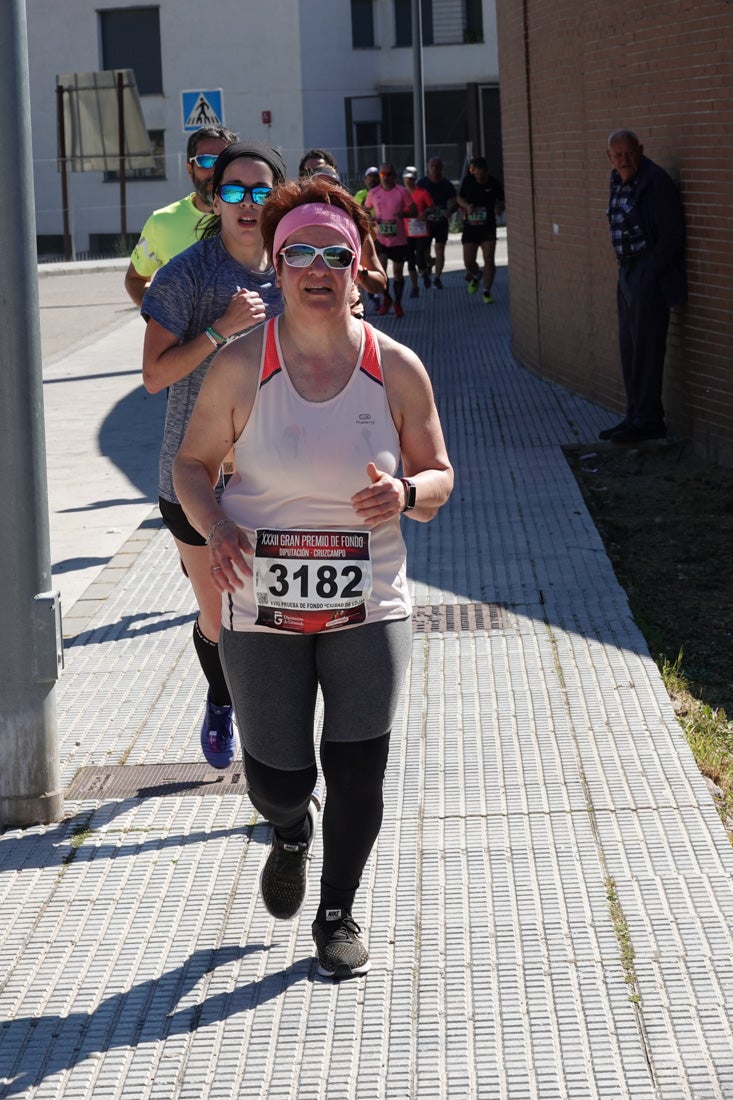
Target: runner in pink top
x,y
389,204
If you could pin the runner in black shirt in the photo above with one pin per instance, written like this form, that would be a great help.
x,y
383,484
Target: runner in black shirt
x,y
481,198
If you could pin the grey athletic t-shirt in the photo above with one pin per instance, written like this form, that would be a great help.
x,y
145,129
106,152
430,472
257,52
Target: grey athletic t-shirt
x,y
190,292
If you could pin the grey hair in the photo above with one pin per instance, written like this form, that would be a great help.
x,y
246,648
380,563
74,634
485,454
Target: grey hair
x,y
623,135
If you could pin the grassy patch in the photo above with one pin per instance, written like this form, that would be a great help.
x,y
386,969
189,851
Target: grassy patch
x,y
79,834
666,520
709,734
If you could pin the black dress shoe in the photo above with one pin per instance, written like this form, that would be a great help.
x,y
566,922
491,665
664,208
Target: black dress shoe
x,y
638,435
627,434
608,432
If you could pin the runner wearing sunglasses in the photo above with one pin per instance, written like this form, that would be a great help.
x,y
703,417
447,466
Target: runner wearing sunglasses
x,y
171,229
218,288
335,435
390,204
371,276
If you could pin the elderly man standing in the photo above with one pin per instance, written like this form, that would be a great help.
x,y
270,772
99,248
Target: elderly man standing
x,y
648,236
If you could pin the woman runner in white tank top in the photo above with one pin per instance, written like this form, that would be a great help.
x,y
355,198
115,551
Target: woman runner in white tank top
x,y
335,435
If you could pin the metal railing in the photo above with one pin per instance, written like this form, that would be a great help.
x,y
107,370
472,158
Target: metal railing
x,y
94,202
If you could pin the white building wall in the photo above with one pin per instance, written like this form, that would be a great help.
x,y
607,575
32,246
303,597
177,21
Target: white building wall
x,y
256,61
291,57
445,65
330,71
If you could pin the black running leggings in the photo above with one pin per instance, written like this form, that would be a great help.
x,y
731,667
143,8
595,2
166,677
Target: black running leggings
x,y
353,772
274,682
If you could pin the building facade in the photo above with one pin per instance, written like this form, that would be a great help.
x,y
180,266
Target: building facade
x,y
571,73
295,73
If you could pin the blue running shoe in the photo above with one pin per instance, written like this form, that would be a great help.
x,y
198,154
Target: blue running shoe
x,y
218,735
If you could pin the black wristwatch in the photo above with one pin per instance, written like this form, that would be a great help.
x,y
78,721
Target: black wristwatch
x,y
410,493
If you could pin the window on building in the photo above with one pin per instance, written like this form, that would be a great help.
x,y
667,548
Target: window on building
x,y
130,39
362,24
403,22
157,172
444,22
474,28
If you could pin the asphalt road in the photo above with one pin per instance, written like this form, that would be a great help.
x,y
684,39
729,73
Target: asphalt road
x,y
78,304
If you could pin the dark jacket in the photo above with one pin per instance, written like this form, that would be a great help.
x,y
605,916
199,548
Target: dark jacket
x,y
659,214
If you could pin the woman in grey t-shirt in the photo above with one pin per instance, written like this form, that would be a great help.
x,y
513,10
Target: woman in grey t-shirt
x,y
206,296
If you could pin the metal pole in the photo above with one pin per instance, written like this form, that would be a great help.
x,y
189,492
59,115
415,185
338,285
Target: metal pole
x,y
418,93
64,165
30,620
121,135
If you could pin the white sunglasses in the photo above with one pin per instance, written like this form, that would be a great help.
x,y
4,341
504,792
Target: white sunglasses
x,y
336,256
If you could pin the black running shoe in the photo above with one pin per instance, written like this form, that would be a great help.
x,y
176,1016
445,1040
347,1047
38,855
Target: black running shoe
x,y
341,952
284,878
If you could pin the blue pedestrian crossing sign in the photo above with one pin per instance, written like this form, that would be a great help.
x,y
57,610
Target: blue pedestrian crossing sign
x,y
202,107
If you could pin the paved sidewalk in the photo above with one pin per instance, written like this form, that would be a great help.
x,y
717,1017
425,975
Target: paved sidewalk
x,y
549,906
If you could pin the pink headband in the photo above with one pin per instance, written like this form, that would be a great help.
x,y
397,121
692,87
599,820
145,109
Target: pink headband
x,y
318,213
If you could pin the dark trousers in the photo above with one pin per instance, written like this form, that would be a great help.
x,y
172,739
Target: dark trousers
x,y
416,253
643,321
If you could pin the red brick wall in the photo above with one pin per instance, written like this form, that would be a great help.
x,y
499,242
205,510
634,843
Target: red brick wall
x,y
571,71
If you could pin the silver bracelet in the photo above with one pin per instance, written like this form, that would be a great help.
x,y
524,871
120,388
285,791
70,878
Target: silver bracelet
x,y
219,523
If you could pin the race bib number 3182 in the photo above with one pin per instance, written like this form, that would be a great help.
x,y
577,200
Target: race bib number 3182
x,y
308,581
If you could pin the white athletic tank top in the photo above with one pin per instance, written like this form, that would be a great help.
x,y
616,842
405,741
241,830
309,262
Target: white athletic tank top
x,y
297,464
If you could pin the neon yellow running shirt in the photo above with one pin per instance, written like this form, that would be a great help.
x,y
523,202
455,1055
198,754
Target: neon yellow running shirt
x,y
167,232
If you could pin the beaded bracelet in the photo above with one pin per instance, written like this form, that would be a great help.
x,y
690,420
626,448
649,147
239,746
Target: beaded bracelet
x,y
219,523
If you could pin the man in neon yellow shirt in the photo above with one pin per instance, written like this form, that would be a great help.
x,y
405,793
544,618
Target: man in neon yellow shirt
x,y
371,179
172,229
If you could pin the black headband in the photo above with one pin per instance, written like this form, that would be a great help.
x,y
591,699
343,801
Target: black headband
x,y
255,151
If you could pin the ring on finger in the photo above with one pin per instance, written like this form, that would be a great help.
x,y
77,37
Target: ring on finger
x,y
216,569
